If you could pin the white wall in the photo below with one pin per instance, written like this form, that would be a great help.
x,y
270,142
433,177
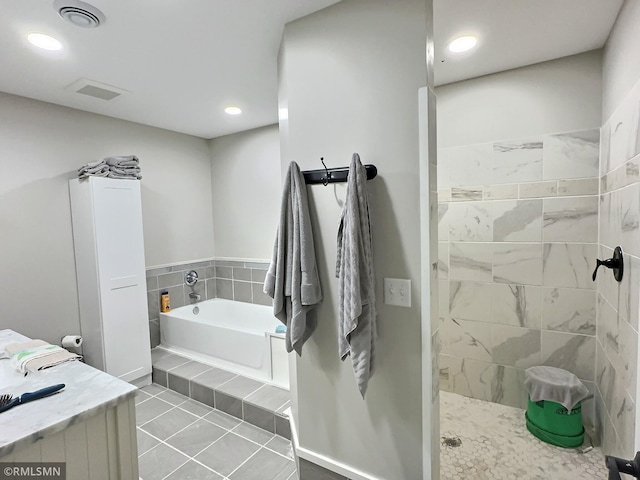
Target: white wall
x,y
349,76
246,188
621,188
551,97
41,146
621,62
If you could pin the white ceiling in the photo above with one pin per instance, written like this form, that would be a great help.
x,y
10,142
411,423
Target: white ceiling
x,y
181,63
515,33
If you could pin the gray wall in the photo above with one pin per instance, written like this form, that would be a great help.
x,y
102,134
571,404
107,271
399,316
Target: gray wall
x,y
245,179
349,76
41,146
618,309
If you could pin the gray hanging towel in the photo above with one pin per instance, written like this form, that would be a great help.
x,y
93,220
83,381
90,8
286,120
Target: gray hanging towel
x,y
357,329
292,279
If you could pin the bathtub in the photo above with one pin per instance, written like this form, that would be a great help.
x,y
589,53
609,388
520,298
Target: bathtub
x,y
236,336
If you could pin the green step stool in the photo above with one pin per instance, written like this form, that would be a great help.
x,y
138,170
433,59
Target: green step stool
x,y
549,420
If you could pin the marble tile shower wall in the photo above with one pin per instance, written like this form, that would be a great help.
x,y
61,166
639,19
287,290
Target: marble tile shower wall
x,y
233,280
518,239
618,309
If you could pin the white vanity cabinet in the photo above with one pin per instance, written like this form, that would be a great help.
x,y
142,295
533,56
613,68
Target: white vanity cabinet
x,y
109,251
90,425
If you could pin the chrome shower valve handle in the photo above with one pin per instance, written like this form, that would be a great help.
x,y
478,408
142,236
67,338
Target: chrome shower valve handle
x,y
191,278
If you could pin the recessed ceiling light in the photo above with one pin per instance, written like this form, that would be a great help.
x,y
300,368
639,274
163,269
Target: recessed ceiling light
x,y
44,41
462,44
233,110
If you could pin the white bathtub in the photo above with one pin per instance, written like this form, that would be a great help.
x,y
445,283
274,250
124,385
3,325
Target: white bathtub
x,y
236,336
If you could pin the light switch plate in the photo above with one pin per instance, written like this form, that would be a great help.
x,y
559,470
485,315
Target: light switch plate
x,y
397,291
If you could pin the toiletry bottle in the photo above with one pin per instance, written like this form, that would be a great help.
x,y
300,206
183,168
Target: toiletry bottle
x,y
165,302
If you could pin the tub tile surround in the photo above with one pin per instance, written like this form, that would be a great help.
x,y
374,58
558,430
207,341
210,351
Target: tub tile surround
x,y
241,281
255,402
617,303
518,238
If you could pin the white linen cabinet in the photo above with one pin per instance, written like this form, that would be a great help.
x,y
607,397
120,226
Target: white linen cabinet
x,y
109,251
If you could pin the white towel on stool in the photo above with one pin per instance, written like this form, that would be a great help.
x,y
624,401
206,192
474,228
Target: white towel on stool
x,y
357,329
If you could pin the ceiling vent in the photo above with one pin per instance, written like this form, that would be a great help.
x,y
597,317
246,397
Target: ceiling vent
x,y
96,89
79,13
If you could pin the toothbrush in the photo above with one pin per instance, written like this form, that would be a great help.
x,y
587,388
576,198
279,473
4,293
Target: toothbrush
x,y
7,401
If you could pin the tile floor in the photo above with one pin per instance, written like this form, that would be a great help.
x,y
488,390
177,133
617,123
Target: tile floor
x,y
261,404
181,439
496,445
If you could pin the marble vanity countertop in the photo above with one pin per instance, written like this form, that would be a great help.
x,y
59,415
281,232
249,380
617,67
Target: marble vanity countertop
x,y
88,392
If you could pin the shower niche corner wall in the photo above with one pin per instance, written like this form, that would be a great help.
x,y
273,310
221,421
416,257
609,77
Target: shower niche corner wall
x,y
518,239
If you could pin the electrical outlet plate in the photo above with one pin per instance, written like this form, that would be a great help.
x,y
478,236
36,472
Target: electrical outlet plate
x,y
397,292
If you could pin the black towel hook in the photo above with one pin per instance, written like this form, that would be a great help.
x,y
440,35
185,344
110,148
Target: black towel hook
x,y
334,175
325,179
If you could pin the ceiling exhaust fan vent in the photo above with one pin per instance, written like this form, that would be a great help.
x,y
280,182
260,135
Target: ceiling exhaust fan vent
x,y
95,89
79,13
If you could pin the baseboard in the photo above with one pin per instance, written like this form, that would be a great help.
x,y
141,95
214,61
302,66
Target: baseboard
x,y
329,464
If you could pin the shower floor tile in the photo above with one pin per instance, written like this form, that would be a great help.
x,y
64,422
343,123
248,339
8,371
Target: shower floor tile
x,y
198,442
496,445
